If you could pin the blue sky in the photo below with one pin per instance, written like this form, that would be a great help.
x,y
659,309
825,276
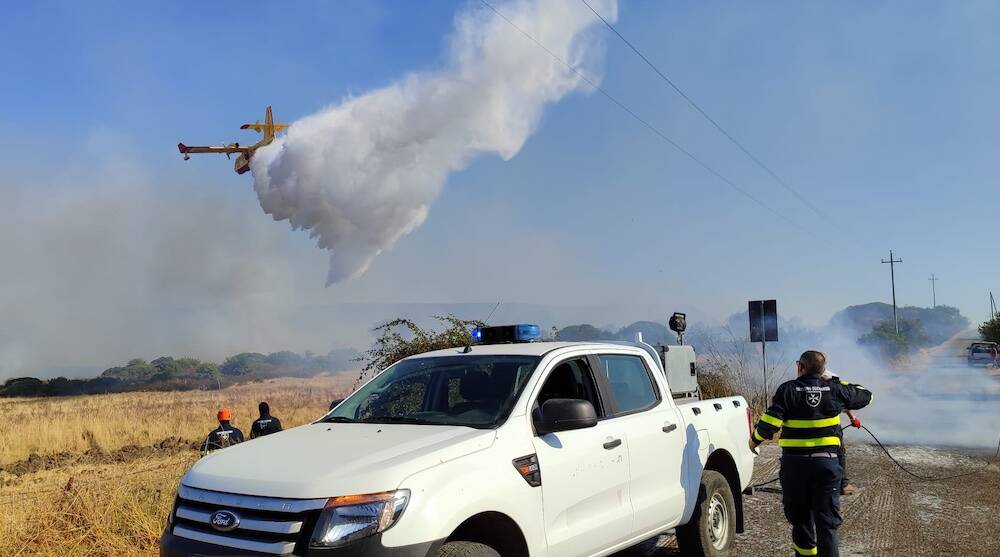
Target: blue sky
x,y
883,114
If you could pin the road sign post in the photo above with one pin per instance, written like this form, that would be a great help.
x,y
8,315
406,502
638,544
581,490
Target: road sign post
x,y
763,328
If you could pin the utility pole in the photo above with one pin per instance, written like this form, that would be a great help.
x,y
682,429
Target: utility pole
x,y
934,280
892,275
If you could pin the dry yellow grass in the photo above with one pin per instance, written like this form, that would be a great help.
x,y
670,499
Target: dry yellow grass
x,y
107,509
109,422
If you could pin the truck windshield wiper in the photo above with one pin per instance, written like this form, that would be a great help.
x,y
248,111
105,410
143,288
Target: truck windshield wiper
x,y
339,420
399,420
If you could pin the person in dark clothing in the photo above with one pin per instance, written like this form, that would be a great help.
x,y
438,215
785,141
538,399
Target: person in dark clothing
x,y
846,487
807,412
223,436
266,424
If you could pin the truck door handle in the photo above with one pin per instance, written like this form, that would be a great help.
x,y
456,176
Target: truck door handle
x,y
612,444
668,427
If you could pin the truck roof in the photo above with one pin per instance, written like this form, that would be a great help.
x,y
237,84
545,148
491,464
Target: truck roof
x,y
521,348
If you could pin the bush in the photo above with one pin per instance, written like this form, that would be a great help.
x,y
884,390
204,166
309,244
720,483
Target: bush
x,y
892,345
401,338
990,330
245,363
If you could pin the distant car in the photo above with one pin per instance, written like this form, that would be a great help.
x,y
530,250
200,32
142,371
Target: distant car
x,y
982,353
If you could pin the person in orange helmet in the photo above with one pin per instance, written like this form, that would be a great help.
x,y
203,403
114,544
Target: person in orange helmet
x,y
223,436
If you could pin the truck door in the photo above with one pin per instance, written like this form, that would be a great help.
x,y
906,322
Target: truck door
x,y
585,492
655,437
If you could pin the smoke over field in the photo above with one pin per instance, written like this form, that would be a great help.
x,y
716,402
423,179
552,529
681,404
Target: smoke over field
x,y
361,174
934,399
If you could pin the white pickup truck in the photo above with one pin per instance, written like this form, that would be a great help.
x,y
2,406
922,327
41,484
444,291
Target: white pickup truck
x,y
513,448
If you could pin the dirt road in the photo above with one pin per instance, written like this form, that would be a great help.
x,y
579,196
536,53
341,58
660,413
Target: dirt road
x,y
891,514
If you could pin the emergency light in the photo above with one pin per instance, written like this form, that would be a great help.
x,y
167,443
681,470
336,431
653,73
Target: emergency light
x,y
506,334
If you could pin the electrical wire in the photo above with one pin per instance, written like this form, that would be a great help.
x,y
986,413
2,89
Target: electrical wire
x,y
805,201
648,125
986,464
921,478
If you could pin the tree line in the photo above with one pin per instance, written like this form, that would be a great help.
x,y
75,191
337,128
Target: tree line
x,y
167,373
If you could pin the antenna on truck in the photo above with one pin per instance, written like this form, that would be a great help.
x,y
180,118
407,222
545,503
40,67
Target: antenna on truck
x,y
468,347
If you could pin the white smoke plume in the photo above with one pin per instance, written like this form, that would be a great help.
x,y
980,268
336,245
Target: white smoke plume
x,y
361,174
935,400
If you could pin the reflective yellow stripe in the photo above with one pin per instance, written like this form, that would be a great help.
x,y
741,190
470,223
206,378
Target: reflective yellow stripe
x,y
757,436
825,422
801,551
769,419
806,443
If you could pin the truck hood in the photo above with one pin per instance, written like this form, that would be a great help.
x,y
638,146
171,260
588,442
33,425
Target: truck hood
x,y
330,459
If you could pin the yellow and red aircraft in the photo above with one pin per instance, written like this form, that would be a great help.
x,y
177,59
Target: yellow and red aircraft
x,y
268,128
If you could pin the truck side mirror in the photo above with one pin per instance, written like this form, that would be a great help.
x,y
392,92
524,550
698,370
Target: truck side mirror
x,y
565,414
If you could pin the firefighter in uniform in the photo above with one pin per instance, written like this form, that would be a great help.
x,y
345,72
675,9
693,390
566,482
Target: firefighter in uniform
x,y
266,424
224,435
807,412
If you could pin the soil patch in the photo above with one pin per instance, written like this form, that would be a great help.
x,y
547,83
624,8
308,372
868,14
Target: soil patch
x,y
38,462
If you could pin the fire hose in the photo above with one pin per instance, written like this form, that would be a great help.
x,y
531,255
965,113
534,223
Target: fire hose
x,y
856,423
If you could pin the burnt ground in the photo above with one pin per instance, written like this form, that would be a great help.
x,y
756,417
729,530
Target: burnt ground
x,y
127,454
891,514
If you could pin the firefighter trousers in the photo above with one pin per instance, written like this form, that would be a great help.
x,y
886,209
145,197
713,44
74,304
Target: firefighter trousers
x,y
810,489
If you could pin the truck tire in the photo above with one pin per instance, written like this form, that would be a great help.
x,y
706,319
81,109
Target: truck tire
x,y
466,549
712,528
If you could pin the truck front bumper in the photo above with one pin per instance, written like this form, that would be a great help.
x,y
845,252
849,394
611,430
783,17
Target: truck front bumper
x,y
174,546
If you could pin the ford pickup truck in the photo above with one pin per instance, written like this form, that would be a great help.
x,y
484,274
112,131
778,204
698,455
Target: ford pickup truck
x,y
502,448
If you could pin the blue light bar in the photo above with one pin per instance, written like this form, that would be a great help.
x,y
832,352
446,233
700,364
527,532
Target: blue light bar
x,y
506,334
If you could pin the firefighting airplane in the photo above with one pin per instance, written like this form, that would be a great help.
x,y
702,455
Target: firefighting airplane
x,y
268,128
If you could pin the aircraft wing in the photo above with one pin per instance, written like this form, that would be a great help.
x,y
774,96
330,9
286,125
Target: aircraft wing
x,y
187,149
258,127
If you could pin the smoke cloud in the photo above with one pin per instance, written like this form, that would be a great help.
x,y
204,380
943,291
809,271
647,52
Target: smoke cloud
x,y
933,399
360,175
936,399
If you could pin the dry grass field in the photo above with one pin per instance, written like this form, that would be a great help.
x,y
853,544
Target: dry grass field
x,y
95,475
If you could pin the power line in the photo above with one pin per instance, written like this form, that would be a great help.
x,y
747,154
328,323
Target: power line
x,y
711,120
645,123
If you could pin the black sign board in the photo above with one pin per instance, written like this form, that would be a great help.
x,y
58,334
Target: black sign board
x,y
763,321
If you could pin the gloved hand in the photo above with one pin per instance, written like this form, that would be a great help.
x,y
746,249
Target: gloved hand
x,y
856,422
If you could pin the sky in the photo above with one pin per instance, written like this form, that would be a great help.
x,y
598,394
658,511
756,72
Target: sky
x,y
883,115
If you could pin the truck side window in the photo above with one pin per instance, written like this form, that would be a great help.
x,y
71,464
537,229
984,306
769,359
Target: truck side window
x,y
630,382
570,379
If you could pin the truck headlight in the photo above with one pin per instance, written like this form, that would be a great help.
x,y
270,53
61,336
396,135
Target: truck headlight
x,y
353,517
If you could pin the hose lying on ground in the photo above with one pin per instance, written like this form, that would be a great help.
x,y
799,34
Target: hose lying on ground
x,y
986,464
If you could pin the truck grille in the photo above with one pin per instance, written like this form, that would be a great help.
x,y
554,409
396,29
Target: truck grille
x,y
262,524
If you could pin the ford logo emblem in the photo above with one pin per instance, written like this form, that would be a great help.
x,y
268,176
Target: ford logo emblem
x,y
224,521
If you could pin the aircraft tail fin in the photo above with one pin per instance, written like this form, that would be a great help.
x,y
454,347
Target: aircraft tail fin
x,y
268,124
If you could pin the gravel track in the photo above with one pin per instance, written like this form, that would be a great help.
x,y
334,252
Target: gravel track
x,y
891,514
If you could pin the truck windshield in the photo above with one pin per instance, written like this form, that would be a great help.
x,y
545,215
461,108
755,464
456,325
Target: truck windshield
x,y
474,391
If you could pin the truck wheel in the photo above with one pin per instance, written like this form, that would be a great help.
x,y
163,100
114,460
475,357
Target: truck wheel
x,y
712,528
466,549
